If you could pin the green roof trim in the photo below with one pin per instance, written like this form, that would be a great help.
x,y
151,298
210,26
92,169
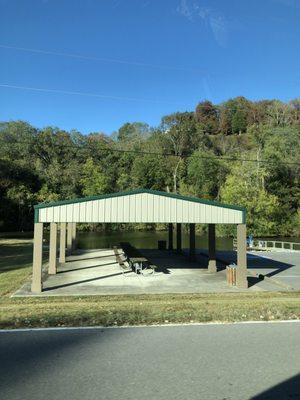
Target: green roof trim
x,y
139,191
244,215
36,214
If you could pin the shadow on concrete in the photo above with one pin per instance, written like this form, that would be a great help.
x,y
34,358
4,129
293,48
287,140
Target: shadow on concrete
x,y
260,266
253,280
164,260
79,251
84,281
160,268
254,262
289,389
257,262
74,258
89,267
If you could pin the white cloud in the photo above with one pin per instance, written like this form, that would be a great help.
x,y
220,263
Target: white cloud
x,y
185,9
193,11
219,27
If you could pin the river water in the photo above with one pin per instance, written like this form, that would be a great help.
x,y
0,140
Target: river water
x,y
139,239
149,239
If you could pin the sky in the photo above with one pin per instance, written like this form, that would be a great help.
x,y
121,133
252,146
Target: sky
x,y
93,65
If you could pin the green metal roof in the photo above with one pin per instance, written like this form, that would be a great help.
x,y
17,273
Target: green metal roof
x,y
138,191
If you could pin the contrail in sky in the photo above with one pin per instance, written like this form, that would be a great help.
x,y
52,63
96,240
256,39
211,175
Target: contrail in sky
x,y
102,59
101,96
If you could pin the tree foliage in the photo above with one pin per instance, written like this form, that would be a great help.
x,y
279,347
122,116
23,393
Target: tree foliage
x,y
93,181
198,150
262,207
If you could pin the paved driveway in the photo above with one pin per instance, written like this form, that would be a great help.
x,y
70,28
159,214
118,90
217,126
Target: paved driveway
x,y
239,361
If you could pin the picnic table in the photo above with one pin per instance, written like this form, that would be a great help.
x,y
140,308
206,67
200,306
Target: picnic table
x,y
135,258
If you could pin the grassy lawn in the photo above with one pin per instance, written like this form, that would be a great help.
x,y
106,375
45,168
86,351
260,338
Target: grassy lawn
x,y
15,269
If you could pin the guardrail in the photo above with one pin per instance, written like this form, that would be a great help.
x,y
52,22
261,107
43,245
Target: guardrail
x,y
260,244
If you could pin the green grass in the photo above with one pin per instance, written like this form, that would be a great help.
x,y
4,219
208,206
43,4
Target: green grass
x,y
15,269
15,264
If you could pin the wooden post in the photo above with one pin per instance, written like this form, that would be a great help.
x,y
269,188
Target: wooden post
x,y
170,237
178,238
241,271
69,238
192,254
52,248
212,264
62,243
74,241
36,286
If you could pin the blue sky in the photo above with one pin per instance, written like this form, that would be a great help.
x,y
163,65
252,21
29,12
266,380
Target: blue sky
x,y
93,65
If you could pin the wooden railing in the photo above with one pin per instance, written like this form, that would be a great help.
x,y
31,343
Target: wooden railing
x,y
260,244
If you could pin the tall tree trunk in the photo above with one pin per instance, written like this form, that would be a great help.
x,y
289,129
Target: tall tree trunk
x,y
175,176
260,179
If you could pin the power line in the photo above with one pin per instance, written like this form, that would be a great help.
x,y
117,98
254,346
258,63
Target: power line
x,y
184,156
102,59
101,96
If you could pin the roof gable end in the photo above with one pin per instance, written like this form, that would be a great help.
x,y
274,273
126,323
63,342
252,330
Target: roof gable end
x,y
139,191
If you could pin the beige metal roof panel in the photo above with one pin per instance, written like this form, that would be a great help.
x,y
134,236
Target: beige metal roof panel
x,y
140,207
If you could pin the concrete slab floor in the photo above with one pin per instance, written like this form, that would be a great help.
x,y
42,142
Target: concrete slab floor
x,y
96,272
283,267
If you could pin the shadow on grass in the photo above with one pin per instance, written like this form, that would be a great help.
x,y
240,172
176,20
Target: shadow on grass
x,y
15,256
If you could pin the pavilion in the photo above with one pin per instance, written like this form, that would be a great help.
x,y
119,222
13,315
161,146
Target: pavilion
x,y
136,206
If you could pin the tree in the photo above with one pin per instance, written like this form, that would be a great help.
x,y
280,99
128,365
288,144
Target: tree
x,y
149,172
225,119
202,166
180,132
93,181
279,114
56,162
124,179
206,115
16,141
259,135
50,164
132,132
239,121
258,112
262,208
18,188
234,115
281,151
295,111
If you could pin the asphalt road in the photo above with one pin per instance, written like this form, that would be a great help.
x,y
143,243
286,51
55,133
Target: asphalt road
x,y
242,361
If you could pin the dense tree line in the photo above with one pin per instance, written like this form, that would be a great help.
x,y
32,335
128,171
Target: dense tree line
x,y
206,154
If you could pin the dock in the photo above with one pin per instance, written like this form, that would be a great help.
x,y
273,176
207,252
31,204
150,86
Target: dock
x,y
270,245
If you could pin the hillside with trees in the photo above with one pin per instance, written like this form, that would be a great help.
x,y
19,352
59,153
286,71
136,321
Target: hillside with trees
x,y
241,152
